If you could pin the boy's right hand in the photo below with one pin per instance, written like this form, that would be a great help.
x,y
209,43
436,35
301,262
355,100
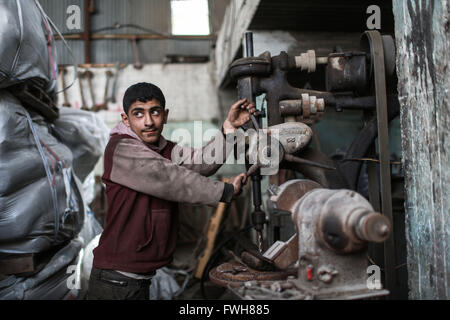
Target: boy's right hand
x,y
237,183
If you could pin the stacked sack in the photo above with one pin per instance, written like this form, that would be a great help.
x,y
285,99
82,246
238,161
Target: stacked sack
x,y
40,202
25,52
42,165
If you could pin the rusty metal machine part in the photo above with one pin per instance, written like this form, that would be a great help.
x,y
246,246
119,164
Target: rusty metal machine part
x,y
346,220
270,146
266,74
306,61
308,109
272,290
353,71
347,72
332,257
256,262
293,136
373,227
285,196
327,178
254,66
235,274
281,200
252,257
334,227
269,76
291,159
283,254
389,53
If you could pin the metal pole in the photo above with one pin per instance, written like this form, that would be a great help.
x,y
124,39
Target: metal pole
x,y
249,44
86,33
258,215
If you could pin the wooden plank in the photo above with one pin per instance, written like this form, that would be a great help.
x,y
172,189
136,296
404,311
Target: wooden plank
x,y
213,229
211,235
17,264
421,31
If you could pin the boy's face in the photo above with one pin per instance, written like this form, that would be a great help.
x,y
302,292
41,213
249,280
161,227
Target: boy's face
x,y
146,119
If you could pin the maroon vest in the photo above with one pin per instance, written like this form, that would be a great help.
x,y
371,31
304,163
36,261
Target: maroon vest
x,y
140,232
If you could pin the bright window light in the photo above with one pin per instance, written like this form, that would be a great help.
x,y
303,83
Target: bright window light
x,y
190,17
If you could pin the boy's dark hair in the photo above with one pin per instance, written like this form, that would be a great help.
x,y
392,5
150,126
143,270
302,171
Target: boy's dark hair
x,y
142,91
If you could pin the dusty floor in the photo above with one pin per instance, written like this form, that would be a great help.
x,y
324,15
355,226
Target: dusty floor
x,y
185,259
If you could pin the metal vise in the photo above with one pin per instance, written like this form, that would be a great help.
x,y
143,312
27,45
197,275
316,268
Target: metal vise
x,y
328,253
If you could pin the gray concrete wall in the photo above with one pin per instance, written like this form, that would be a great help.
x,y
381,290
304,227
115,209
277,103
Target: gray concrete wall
x,y
188,89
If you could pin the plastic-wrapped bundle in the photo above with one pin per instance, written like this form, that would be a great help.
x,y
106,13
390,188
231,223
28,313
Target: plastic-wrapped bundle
x,y
164,286
89,235
62,276
86,265
54,279
85,134
24,52
41,204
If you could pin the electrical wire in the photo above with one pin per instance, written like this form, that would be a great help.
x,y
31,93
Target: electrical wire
x,y
118,26
129,25
75,76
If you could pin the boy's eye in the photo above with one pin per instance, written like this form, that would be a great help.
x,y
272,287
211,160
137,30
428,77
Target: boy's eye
x,y
138,114
155,112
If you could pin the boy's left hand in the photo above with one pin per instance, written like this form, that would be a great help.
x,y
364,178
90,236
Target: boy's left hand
x,y
238,115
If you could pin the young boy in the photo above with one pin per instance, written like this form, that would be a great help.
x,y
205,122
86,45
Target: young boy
x,y
143,187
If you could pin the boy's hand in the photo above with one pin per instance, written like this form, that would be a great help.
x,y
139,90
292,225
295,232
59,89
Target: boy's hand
x,y
237,183
238,115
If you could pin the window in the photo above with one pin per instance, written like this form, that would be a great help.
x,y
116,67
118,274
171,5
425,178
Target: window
x,y
190,17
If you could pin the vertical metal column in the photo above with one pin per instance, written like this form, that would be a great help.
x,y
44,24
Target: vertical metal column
x,y
258,216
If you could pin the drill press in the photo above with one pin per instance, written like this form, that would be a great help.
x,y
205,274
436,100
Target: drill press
x,y
290,136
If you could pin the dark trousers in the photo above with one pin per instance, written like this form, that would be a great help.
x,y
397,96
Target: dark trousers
x,y
111,285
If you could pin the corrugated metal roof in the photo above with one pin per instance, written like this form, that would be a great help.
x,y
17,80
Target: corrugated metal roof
x,y
151,15
57,11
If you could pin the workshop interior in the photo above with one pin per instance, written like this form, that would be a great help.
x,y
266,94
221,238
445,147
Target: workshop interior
x,y
354,97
